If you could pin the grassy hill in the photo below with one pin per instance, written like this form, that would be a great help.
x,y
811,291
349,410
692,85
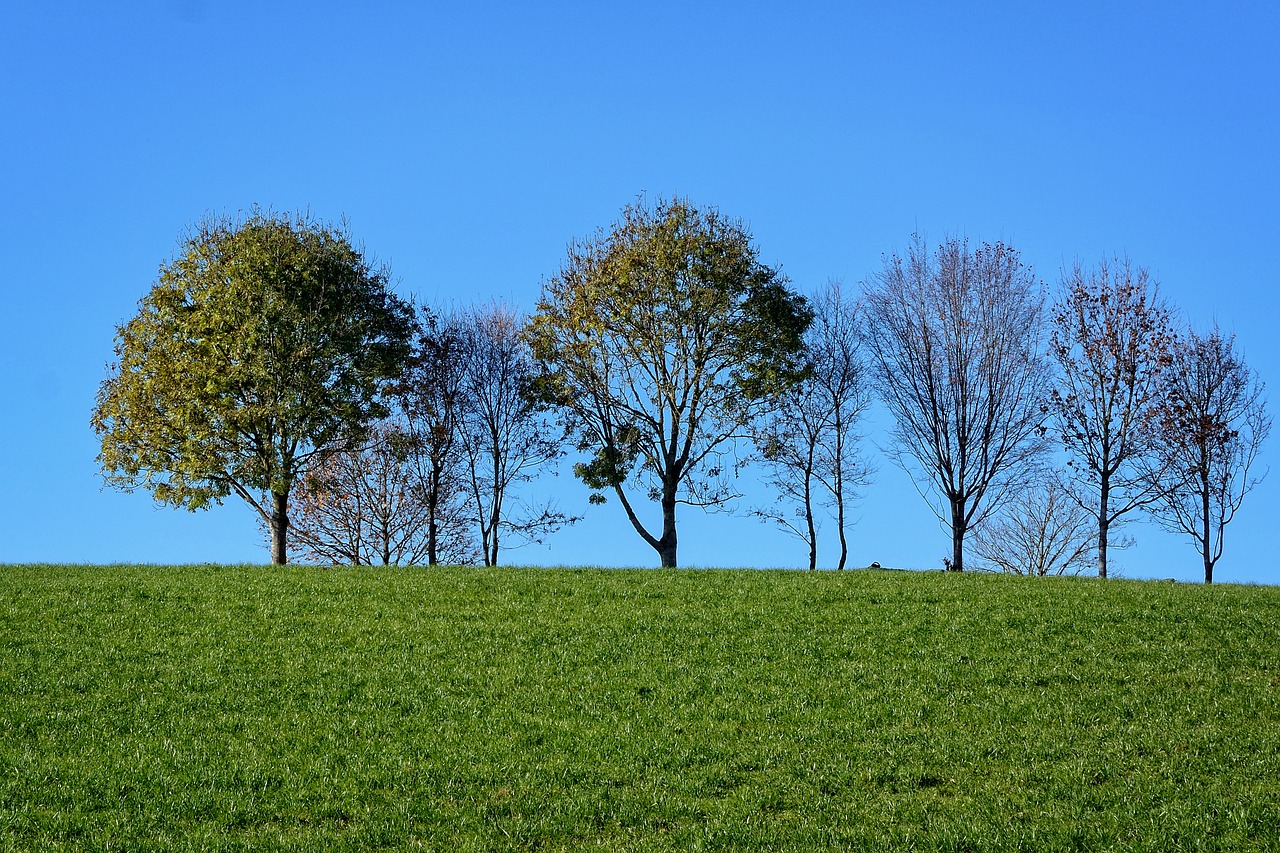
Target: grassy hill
x,y
157,708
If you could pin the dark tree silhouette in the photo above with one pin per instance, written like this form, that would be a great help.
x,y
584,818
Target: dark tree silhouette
x,y
954,340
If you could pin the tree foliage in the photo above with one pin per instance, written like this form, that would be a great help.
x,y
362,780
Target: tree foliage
x,y
954,338
810,441
661,339
263,344
1210,432
1113,340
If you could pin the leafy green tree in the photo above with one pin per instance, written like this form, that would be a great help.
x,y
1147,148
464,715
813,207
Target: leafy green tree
x,y
263,345
662,340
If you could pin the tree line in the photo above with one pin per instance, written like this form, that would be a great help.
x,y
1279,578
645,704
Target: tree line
x,y
272,360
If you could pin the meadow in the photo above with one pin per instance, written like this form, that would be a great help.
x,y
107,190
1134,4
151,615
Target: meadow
x,y
236,708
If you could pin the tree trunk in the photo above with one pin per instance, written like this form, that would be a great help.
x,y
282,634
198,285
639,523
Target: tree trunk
x,y
667,544
495,517
279,528
1208,532
844,544
433,508
808,517
957,536
1104,527
839,493
495,524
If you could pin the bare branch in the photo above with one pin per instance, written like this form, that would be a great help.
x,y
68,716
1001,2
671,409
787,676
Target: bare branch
x,y
955,343
1211,430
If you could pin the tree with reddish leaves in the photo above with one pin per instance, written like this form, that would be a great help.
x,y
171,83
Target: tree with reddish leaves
x,y
1211,430
1113,341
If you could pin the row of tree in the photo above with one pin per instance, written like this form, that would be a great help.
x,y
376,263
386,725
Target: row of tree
x,y
438,475
984,376
271,360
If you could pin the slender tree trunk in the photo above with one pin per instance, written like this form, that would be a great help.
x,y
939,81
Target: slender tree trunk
x,y
1208,533
433,524
957,536
838,492
1104,526
495,520
808,518
279,528
844,544
495,517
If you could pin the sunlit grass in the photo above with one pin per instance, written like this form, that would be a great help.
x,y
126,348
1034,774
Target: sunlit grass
x,y
156,708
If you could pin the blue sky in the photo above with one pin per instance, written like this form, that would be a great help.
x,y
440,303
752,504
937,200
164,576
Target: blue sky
x,y
467,144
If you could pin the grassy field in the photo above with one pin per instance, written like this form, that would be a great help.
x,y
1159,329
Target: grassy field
x,y
223,708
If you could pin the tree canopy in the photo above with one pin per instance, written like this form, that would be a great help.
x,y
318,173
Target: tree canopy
x,y
264,344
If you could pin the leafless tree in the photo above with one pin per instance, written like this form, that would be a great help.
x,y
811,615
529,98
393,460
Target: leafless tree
x,y
810,442
507,433
366,507
1041,531
431,398
1112,339
954,338
1211,430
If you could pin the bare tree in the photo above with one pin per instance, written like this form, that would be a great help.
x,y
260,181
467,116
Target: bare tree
x,y
954,340
810,442
367,507
1211,431
506,432
789,441
431,397
1041,531
1112,339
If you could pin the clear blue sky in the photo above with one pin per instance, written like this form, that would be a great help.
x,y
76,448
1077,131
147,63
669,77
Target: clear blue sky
x,y
468,143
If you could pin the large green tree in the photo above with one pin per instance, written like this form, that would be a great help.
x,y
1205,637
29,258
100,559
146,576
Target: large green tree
x,y
662,339
264,345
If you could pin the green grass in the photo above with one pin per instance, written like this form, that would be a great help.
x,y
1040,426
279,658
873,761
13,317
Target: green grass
x,y
223,708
